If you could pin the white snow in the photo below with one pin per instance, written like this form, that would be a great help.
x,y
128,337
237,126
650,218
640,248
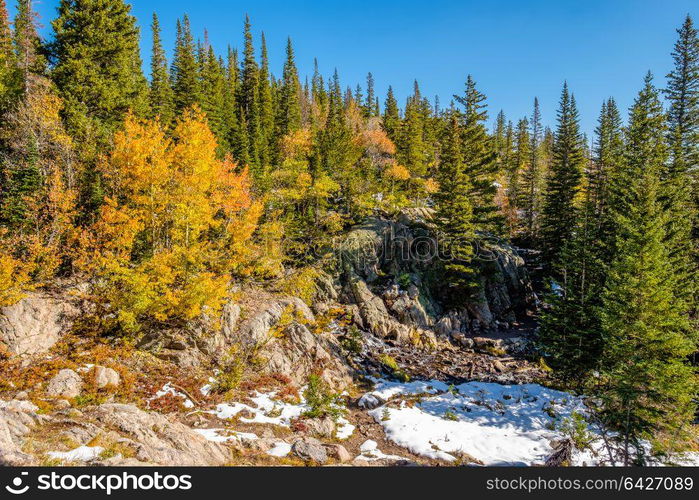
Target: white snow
x,y
80,454
496,424
224,435
281,449
344,429
170,389
369,451
266,410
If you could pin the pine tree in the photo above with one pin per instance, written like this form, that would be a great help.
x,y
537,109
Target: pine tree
x,y
646,385
185,69
412,151
559,213
97,66
454,215
248,100
27,43
682,171
213,85
480,157
371,107
269,148
289,118
531,179
516,189
161,95
7,59
391,116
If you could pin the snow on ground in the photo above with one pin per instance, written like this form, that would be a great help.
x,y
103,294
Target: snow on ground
x,y
344,429
369,451
80,454
224,435
266,410
281,449
496,424
170,389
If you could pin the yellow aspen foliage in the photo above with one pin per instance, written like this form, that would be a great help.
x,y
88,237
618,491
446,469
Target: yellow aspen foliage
x,y
174,227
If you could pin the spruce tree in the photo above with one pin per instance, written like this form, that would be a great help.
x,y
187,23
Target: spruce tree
x,y
371,108
532,179
97,66
161,95
7,59
391,116
411,147
248,100
268,147
559,212
289,118
28,56
681,176
479,157
516,189
185,68
213,85
454,214
646,384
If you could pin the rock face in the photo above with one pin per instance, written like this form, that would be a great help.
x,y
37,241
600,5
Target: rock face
x,y
34,324
159,440
310,450
390,273
66,384
16,420
278,332
106,377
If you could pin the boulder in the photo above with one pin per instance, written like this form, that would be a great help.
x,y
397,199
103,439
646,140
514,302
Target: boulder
x,y
338,452
16,420
65,384
310,449
106,377
320,427
370,401
255,331
159,440
35,323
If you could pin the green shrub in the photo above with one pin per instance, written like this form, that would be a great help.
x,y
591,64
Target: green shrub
x,y
320,400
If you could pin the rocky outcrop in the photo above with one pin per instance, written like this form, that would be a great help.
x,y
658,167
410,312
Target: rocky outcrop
x,y
278,332
16,421
65,384
35,323
157,439
390,272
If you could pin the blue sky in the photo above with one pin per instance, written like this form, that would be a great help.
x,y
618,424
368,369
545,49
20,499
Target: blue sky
x,y
514,49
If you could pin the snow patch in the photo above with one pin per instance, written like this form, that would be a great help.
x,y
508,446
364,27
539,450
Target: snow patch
x,y
80,454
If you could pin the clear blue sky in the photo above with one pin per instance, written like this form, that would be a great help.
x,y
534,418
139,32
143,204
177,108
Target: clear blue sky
x,y
515,49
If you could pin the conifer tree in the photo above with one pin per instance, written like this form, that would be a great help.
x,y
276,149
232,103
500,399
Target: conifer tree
x,y
97,66
289,118
646,385
371,108
391,116
454,215
7,59
185,68
411,146
531,179
479,157
268,146
248,100
559,208
161,95
681,177
213,84
516,189
27,43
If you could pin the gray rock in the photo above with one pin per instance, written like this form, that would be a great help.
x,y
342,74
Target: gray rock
x,y
65,384
321,427
310,450
338,452
16,420
106,377
34,324
159,440
370,401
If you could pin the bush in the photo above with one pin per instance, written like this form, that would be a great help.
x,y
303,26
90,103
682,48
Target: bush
x,y
320,400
